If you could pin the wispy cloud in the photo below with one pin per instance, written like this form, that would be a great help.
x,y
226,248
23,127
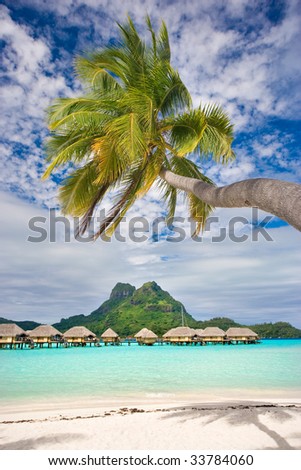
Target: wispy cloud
x,y
250,281
233,53
29,83
242,54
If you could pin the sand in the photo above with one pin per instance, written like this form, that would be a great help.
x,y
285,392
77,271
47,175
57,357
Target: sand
x,y
236,425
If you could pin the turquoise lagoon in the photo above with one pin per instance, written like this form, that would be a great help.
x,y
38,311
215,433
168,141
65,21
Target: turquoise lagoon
x,y
271,367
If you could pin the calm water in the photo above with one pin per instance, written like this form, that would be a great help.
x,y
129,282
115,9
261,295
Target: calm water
x,y
148,371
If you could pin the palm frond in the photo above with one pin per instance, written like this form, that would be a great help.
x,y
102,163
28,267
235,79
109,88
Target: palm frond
x,y
92,120
153,35
126,135
141,104
112,60
170,197
135,116
132,41
95,75
199,212
63,107
61,150
185,167
86,217
186,131
135,184
78,191
173,94
218,134
151,170
163,44
111,164
125,199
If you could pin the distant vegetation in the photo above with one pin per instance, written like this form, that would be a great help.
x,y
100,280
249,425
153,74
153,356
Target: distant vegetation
x,y
26,324
129,309
277,330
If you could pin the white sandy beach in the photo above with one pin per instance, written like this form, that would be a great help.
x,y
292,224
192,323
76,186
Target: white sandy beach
x,y
256,425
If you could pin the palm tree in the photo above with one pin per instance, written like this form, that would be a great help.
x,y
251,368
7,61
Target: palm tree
x,y
135,127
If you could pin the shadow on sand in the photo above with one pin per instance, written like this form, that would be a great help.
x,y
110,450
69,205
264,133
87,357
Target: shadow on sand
x,y
40,442
244,413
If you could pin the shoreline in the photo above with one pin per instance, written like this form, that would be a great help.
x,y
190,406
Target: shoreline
x,y
215,396
79,410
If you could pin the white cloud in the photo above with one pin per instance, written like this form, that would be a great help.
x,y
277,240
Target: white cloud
x,y
249,281
33,83
255,75
252,75
236,171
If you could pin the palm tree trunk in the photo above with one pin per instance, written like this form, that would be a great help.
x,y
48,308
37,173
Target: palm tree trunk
x,y
280,198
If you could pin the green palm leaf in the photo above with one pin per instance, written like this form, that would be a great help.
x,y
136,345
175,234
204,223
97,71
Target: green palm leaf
x,y
75,149
218,135
79,190
134,117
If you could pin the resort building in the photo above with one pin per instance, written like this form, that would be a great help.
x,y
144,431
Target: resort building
x,y
146,336
180,335
11,335
244,335
141,333
212,334
45,334
109,336
79,335
198,331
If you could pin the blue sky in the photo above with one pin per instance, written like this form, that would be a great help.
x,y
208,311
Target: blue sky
x,y
241,54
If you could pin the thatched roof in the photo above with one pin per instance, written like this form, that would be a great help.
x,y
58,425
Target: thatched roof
x,y
212,331
78,332
146,333
109,333
44,331
10,329
141,333
180,331
199,331
149,334
236,332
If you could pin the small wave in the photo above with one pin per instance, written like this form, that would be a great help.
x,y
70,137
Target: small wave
x,y
160,395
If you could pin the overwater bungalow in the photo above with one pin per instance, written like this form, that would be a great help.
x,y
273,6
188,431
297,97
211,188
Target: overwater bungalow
x,y
11,335
45,334
179,335
79,335
110,337
146,336
241,335
212,334
141,333
199,331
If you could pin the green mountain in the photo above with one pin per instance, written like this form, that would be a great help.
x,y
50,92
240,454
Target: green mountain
x,y
26,324
129,309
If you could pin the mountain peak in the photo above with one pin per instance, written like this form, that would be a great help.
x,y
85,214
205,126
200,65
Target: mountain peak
x,y
122,291
129,310
150,286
